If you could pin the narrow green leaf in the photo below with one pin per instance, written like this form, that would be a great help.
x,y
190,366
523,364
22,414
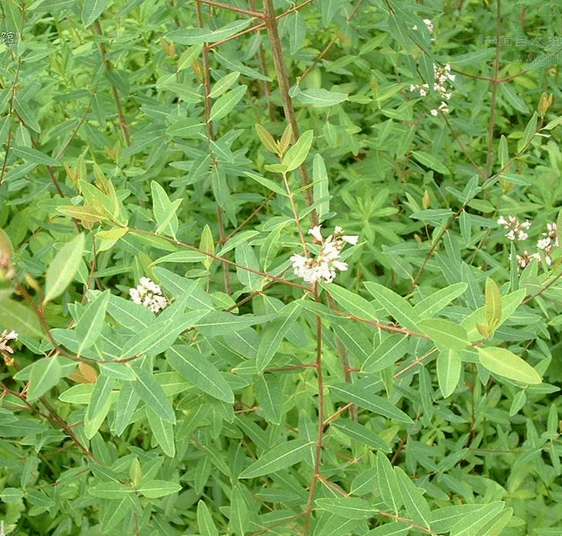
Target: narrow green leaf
x,y
346,507
194,36
427,159
433,304
84,214
370,401
471,524
205,522
200,372
493,306
279,457
127,402
449,365
320,97
110,490
164,210
162,431
90,325
388,483
414,501
152,394
99,405
245,256
19,318
445,333
394,304
274,334
268,183
114,512
267,139
207,244
504,363
239,519
92,10
45,373
391,349
270,397
63,268
297,154
36,157
351,302
225,104
158,488
362,434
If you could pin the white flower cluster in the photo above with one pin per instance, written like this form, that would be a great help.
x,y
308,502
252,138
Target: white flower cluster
x,y
515,229
546,245
442,77
149,294
5,339
323,267
429,25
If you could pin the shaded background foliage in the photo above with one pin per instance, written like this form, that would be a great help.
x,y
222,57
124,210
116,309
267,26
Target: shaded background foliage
x,y
133,123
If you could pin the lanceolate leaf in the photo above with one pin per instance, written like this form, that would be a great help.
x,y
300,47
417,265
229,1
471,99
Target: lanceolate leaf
x,y
45,373
278,458
199,371
370,401
493,306
449,366
395,305
445,333
505,363
347,507
63,268
152,394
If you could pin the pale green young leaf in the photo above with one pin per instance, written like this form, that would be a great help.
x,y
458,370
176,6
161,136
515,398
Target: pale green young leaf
x,y
266,139
225,104
110,490
445,333
297,154
63,268
154,489
493,306
504,363
207,245
449,365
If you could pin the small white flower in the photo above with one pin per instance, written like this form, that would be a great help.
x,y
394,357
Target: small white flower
x,y
515,229
149,295
5,339
323,267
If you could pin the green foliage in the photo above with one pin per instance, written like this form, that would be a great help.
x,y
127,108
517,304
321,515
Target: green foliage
x,y
196,145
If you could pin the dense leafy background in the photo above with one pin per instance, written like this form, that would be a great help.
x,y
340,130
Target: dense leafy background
x,y
196,144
